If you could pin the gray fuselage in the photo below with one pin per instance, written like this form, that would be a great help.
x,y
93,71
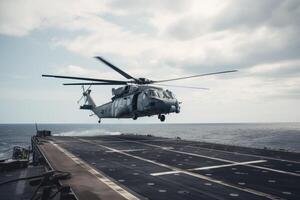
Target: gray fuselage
x,y
147,102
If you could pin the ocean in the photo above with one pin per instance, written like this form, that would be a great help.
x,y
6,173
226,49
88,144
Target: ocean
x,y
270,135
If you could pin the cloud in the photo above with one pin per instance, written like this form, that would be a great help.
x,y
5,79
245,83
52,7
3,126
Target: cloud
x,y
250,14
193,37
20,17
75,70
242,34
207,34
281,68
166,39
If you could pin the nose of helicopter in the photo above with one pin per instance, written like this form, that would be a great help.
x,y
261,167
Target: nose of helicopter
x,y
166,105
175,107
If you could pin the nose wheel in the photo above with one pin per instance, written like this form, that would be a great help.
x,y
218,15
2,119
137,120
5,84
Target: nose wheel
x,y
134,117
162,118
99,121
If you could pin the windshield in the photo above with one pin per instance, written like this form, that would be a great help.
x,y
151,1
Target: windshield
x,y
170,94
160,94
166,95
151,93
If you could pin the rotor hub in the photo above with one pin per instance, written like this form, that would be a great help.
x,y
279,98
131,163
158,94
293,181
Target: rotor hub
x,y
143,81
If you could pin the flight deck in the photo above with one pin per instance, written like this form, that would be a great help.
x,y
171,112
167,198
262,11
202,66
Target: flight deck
x,y
147,167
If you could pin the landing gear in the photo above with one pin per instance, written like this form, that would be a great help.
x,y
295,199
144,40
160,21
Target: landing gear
x,y
99,121
134,117
162,118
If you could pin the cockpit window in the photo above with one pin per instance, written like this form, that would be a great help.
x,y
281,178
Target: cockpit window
x,y
170,94
166,95
151,93
160,94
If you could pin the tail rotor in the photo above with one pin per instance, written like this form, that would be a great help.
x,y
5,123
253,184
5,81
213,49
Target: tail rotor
x,y
84,93
78,101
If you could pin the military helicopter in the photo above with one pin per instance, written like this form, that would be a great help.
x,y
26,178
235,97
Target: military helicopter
x,y
139,97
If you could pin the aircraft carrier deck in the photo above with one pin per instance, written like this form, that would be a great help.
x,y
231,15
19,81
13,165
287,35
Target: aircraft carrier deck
x,y
146,167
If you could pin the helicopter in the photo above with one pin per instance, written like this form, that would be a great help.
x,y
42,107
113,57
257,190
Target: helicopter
x,y
138,97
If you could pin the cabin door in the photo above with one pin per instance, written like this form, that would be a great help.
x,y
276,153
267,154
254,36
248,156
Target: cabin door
x,y
134,102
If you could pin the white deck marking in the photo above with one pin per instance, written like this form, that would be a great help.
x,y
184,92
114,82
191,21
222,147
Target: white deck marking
x,y
166,148
274,170
96,173
219,159
165,173
209,167
127,150
244,154
227,165
248,190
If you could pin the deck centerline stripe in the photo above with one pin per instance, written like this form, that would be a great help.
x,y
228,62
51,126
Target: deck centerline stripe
x,y
248,190
210,167
101,177
219,159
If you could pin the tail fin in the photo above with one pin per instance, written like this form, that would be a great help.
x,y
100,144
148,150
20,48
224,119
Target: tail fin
x,y
89,103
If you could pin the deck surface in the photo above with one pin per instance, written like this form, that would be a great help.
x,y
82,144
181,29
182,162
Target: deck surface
x,y
18,190
159,168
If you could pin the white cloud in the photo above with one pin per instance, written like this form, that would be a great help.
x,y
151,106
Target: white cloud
x,y
274,67
177,38
184,32
74,70
20,17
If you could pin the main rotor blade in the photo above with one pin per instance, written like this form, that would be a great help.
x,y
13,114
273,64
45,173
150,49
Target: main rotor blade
x,y
83,78
115,68
94,84
180,86
194,76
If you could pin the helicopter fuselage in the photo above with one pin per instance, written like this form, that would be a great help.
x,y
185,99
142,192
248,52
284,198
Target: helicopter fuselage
x,y
134,102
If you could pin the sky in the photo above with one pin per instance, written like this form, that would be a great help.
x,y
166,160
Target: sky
x,y
157,40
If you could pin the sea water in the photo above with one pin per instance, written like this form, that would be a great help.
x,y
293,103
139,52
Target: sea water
x,y
270,135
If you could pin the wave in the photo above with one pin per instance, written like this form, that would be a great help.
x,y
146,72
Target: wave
x,y
92,132
4,155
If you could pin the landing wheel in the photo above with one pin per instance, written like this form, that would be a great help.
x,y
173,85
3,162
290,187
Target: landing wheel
x,y
134,116
162,118
99,121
